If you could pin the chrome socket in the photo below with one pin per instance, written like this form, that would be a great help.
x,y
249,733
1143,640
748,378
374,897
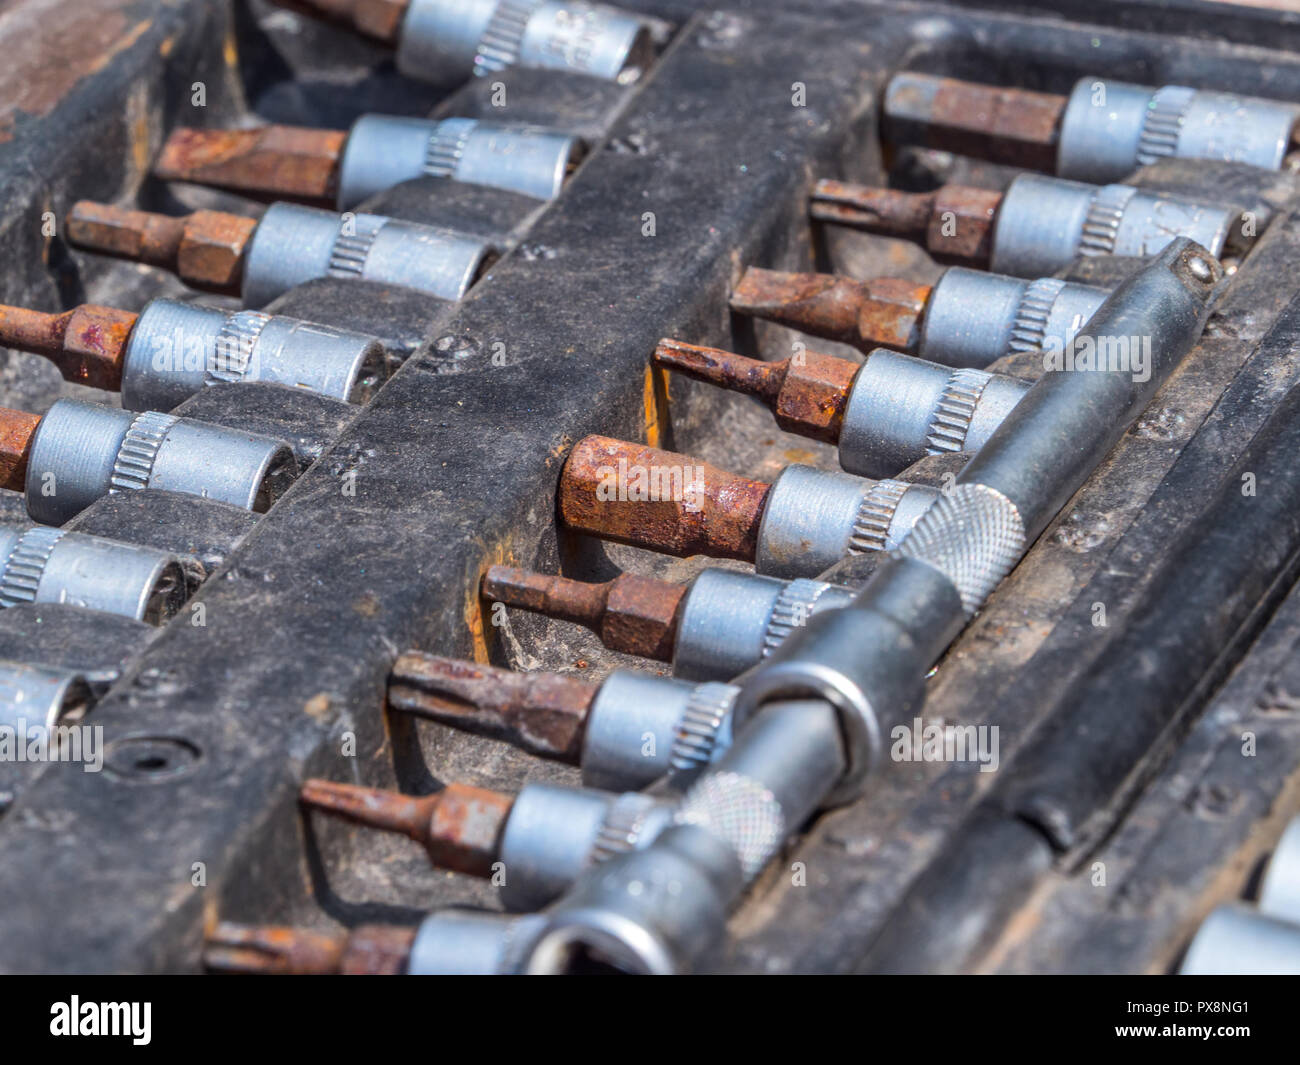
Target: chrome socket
x,y
82,451
974,318
41,564
731,621
1044,224
642,728
1110,128
814,518
464,943
902,408
1279,894
385,150
178,349
294,244
34,699
446,41
554,833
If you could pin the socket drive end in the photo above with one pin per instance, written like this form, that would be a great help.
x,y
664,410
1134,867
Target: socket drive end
x,y
542,713
660,500
635,615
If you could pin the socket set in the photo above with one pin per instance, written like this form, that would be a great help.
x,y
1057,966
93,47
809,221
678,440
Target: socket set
x,y
778,487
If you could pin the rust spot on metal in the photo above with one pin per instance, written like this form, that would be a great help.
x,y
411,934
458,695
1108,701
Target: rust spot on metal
x,y
1012,126
542,713
635,615
16,431
275,162
87,343
659,500
883,312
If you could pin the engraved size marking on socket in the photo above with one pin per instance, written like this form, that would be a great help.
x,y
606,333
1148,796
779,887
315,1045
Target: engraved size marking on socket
x,y
25,565
133,465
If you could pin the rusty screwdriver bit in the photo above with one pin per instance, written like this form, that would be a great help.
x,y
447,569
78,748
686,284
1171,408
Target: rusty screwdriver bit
x,y
954,221
635,615
380,20
17,428
370,950
661,500
1012,126
87,343
273,162
881,313
542,713
807,393
458,826
205,249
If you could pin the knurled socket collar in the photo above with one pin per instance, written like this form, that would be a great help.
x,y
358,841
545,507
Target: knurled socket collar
x,y
1044,223
974,536
40,564
1110,128
82,451
974,318
385,150
295,244
177,349
446,41
741,811
903,408
814,518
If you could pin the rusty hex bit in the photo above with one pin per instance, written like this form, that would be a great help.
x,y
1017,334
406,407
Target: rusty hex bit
x,y
542,713
374,950
660,500
881,313
458,826
276,162
955,222
380,20
1012,126
205,249
87,343
635,615
17,428
807,394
